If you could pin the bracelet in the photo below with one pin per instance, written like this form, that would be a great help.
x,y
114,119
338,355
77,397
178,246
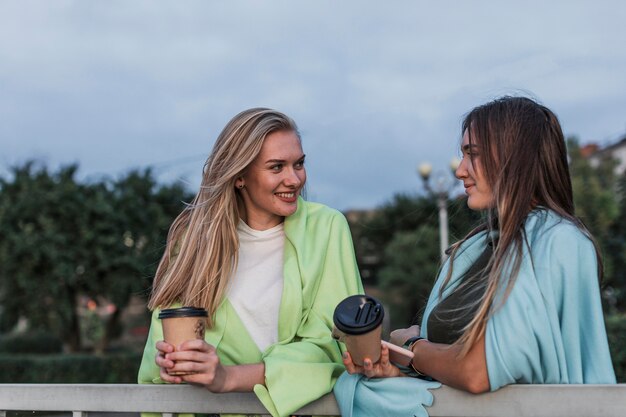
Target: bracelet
x,y
409,345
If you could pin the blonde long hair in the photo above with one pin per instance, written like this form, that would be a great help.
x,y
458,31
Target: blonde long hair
x,y
524,160
202,243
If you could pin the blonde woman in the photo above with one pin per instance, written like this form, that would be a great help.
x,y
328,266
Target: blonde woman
x,y
268,266
518,300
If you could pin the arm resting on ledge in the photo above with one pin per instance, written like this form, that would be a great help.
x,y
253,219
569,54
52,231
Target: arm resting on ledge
x,y
443,363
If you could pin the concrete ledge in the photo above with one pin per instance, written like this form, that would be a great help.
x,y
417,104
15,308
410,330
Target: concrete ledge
x,y
533,400
515,400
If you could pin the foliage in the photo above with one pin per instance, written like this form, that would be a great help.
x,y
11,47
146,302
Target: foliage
x,y
594,190
118,368
616,329
600,200
405,213
61,240
31,342
615,244
399,245
411,262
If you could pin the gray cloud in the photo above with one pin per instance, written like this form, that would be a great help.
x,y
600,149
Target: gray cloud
x,y
376,88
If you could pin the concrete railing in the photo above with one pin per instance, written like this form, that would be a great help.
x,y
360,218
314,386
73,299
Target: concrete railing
x,y
514,401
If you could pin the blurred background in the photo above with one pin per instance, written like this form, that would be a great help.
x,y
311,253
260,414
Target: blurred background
x,y
109,109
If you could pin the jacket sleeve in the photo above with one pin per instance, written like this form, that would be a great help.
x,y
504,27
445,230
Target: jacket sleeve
x,y
148,370
303,369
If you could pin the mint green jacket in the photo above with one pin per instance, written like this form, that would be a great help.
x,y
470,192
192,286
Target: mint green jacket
x,y
320,270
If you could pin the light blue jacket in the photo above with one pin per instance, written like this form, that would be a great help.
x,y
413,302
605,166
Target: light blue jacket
x,y
550,329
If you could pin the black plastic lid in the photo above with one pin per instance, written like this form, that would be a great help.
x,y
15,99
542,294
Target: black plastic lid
x,y
170,313
358,314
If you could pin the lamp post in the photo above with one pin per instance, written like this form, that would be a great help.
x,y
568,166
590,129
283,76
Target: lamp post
x,y
440,187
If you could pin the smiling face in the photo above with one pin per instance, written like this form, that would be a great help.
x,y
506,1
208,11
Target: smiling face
x,y
478,190
273,181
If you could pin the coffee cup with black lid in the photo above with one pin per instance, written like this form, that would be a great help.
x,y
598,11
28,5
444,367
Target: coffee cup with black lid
x,y
358,323
182,324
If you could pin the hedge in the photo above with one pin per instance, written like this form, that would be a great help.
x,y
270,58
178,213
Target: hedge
x,y
37,341
118,368
616,329
122,367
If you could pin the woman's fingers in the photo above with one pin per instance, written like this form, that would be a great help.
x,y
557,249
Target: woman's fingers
x,y
384,356
161,358
163,346
195,362
162,361
351,367
171,379
193,357
399,336
196,344
192,350
415,330
347,363
369,370
188,355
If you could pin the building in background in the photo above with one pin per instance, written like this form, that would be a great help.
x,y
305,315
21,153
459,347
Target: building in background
x,y
616,151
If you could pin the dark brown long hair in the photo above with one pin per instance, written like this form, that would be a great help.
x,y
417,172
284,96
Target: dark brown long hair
x,y
524,160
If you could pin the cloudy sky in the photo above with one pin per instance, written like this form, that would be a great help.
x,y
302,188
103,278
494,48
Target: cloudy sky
x,y
376,87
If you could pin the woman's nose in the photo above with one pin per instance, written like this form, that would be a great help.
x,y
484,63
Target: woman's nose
x,y
292,179
461,170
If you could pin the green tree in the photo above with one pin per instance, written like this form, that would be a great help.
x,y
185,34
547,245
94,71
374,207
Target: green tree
x,y
61,240
42,251
397,247
142,214
411,262
615,245
598,203
594,190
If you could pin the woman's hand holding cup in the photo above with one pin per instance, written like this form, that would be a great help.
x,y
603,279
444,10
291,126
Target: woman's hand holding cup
x,y
381,369
201,365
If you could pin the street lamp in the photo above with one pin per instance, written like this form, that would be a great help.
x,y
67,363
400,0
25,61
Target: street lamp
x,y
440,187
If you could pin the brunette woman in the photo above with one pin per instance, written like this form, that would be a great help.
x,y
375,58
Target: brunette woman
x,y
518,300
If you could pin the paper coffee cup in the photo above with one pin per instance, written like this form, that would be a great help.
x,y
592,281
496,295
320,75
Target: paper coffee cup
x,y
182,324
358,323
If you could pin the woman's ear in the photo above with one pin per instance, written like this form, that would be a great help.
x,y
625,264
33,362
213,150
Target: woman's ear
x,y
239,183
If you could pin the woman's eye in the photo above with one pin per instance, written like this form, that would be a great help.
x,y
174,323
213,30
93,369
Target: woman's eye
x,y
299,165
276,167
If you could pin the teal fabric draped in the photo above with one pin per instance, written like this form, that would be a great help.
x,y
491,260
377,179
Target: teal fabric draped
x,y
550,329
360,396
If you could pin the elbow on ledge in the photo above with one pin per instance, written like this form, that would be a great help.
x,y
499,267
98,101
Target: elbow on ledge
x,y
475,380
476,386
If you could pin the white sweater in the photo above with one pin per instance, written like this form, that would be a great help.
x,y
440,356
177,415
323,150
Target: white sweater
x,y
257,286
